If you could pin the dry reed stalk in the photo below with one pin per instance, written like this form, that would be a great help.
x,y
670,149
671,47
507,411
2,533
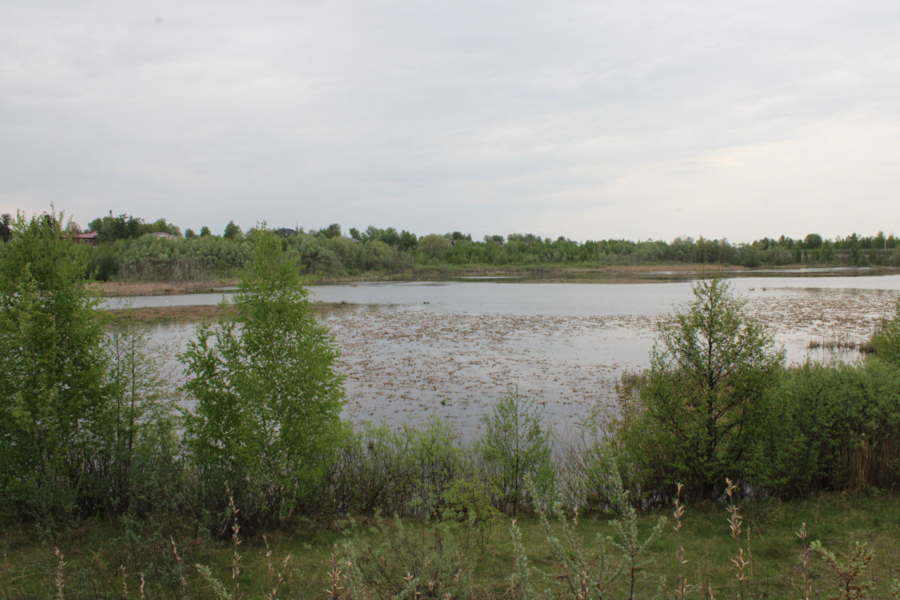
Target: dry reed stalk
x,y
803,534
60,575
735,521
274,576
682,585
334,576
235,538
181,581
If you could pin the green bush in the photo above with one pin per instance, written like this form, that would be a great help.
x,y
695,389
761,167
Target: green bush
x,y
846,424
886,342
406,472
397,559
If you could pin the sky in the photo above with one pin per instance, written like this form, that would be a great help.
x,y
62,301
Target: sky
x,y
634,119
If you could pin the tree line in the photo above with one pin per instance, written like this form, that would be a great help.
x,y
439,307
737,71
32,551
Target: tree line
x,y
130,249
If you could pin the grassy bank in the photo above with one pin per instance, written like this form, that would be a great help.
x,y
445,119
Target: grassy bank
x,y
308,558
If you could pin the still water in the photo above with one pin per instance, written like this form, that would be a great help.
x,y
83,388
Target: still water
x,y
414,350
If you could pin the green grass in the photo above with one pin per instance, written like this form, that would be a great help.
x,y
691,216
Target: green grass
x,y
102,559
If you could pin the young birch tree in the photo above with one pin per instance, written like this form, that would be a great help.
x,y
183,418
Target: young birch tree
x,y
52,397
268,399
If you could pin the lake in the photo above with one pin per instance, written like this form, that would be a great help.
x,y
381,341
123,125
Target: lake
x,y
414,350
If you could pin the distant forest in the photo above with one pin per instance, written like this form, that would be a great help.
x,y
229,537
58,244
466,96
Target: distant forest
x,y
130,249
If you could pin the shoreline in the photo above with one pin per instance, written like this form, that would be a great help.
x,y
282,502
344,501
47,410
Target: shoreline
x,y
605,274
201,313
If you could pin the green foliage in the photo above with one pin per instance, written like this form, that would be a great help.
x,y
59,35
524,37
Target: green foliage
x,y
385,250
111,229
886,342
104,262
332,231
703,403
469,501
599,476
848,575
406,472
517,446
178,259
268,401
434,246
123,227
232,232
142,476
52,398
843,427
611,564
6,223
396,559
812,241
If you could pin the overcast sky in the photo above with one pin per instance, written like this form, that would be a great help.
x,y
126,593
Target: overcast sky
x,y
619,118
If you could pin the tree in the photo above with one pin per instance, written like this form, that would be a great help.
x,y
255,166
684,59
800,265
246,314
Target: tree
x,y
52,397
434,246
142,439
332,231
6,227
232,232
268,399
111,229
812,241
704,397
408,240
517,447
205,232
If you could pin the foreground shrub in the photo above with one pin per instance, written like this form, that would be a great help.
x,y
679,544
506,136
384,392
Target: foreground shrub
x,y
406,472
846,423
54,420
704,401
517,447
395,559
268,400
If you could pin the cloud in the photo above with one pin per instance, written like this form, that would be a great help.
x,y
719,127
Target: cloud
x,y
489,117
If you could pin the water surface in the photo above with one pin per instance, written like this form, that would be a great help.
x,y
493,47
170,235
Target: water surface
x,y
411,350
